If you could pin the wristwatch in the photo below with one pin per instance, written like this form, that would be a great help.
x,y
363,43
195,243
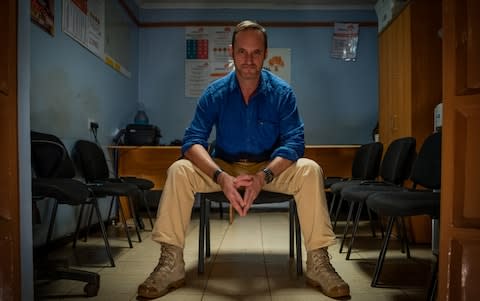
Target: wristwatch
x,y
268,175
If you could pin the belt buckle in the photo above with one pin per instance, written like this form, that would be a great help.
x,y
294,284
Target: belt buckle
x,y
244,161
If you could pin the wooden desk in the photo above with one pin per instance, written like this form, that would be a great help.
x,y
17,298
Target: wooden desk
x,y
152,162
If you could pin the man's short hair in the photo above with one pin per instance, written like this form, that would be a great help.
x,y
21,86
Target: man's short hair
x,y
249,25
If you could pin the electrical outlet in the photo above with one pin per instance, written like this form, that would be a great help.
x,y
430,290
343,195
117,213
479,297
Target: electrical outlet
x,y
90,121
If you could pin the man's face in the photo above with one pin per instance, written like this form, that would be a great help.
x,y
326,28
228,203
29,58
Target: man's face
x,y
249,53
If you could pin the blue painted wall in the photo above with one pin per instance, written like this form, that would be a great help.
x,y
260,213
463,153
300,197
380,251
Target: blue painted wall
x,y
69,85
338,100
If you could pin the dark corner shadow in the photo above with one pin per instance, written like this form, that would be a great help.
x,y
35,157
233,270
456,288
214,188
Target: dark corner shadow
x,y
399,272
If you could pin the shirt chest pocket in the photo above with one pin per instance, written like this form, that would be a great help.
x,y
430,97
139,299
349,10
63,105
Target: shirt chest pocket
x,y
268,130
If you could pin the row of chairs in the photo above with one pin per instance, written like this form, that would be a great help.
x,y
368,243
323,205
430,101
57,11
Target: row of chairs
x,y
388,197
54,177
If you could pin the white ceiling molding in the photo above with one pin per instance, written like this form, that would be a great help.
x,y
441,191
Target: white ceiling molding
x,y
259,4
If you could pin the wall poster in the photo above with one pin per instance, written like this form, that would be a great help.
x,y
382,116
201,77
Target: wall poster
x,y
43,14
206,57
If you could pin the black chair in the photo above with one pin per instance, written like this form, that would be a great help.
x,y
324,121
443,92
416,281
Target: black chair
x,y
398,204
396,167
93,166
53,178
365,166
265,197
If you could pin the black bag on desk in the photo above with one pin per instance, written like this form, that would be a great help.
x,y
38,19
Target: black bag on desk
x,y
142,134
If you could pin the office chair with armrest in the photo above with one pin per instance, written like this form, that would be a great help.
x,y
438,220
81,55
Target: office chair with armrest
x,y
53,178
395,169
365,166
398,204
93,166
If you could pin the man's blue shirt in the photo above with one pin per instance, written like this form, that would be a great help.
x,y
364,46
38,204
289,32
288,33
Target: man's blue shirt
x,y
269,126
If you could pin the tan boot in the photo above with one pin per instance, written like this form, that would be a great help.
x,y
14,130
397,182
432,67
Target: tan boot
x,y
168,274
320,273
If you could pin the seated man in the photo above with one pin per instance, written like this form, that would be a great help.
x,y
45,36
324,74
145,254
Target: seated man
x,y
259,145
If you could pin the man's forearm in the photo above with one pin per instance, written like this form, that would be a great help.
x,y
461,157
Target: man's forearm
x,y
199,156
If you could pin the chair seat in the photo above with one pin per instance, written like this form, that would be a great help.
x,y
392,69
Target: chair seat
x,y
407,203
329,181
101,189
359,193
65,191
264,197
339,186
143,184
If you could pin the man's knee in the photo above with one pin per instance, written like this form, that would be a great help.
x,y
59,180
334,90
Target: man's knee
x,y
310,167
180,166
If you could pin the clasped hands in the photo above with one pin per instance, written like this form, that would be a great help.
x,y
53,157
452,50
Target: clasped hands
x,y
251,185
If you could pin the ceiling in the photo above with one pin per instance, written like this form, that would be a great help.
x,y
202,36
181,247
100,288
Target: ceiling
x,y
258,4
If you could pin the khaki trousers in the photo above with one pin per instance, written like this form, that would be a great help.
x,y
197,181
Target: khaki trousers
x,y
303,180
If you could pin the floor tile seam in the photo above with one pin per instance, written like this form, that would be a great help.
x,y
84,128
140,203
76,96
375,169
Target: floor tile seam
x,y
214,260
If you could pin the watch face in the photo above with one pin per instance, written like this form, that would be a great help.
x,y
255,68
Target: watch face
x,y
268,175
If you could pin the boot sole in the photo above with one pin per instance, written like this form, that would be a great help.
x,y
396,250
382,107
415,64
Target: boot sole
x,y
339,294
172,286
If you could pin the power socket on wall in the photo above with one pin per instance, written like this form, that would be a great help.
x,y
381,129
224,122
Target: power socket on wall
x,y
92,123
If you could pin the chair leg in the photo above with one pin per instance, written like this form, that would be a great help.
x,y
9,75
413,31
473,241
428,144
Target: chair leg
x,y
207,228
332,204
337,213
220,207
354,230
52,222
87,230
432,290
405,237
201,234
104,231
372,225
231,214
77,228
383,251
345,231
112,202
134,217
125,227
147,207
291,226
298,239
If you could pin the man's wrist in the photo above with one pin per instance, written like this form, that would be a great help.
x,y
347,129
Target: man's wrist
x,y
268,175
216,174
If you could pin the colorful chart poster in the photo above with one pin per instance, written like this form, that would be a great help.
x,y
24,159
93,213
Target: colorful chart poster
x,y
206,57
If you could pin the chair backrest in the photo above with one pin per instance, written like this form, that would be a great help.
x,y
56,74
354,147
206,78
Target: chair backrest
x,y
428,165
49,157
366,162
91,160
398,160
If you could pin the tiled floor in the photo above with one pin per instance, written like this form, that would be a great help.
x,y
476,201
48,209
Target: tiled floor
x,y
249,262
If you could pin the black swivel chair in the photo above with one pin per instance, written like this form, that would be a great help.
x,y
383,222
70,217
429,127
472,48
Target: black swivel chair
x,y
395,169
398,204
53,178
365,166
93,166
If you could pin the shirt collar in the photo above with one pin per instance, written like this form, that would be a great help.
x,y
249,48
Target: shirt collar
x,y
262,86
